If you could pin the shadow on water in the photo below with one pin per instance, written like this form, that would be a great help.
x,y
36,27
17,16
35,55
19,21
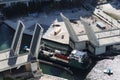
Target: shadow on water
x,y
78,74
45,27
56,71
6,35
32,27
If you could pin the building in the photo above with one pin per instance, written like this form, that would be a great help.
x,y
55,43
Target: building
x,y
93,34
97,33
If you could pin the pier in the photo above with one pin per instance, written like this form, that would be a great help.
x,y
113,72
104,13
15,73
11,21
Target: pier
x,y
48,77
98,71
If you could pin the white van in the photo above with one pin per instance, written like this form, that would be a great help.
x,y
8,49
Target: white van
x,y
101,25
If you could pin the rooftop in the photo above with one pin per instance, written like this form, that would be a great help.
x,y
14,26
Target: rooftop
x,y
57,33
112,9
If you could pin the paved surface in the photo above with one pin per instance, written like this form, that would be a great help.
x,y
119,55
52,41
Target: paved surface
x,y
4,55
97,73
50,77
8,63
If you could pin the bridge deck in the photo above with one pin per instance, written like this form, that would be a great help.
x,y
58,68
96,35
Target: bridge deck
x,y
8,63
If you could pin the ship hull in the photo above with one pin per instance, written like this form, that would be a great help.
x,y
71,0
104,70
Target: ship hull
x,y
64,61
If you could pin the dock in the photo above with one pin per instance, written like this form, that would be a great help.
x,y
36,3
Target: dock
x,y
50,77
97,73
57,32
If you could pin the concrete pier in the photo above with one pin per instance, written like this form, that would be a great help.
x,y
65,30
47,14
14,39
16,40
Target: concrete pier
x,y
98,72
49,77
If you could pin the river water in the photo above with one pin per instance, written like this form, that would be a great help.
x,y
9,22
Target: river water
x,y
6,36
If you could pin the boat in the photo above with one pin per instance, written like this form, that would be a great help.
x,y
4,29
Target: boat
x,y
77,59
